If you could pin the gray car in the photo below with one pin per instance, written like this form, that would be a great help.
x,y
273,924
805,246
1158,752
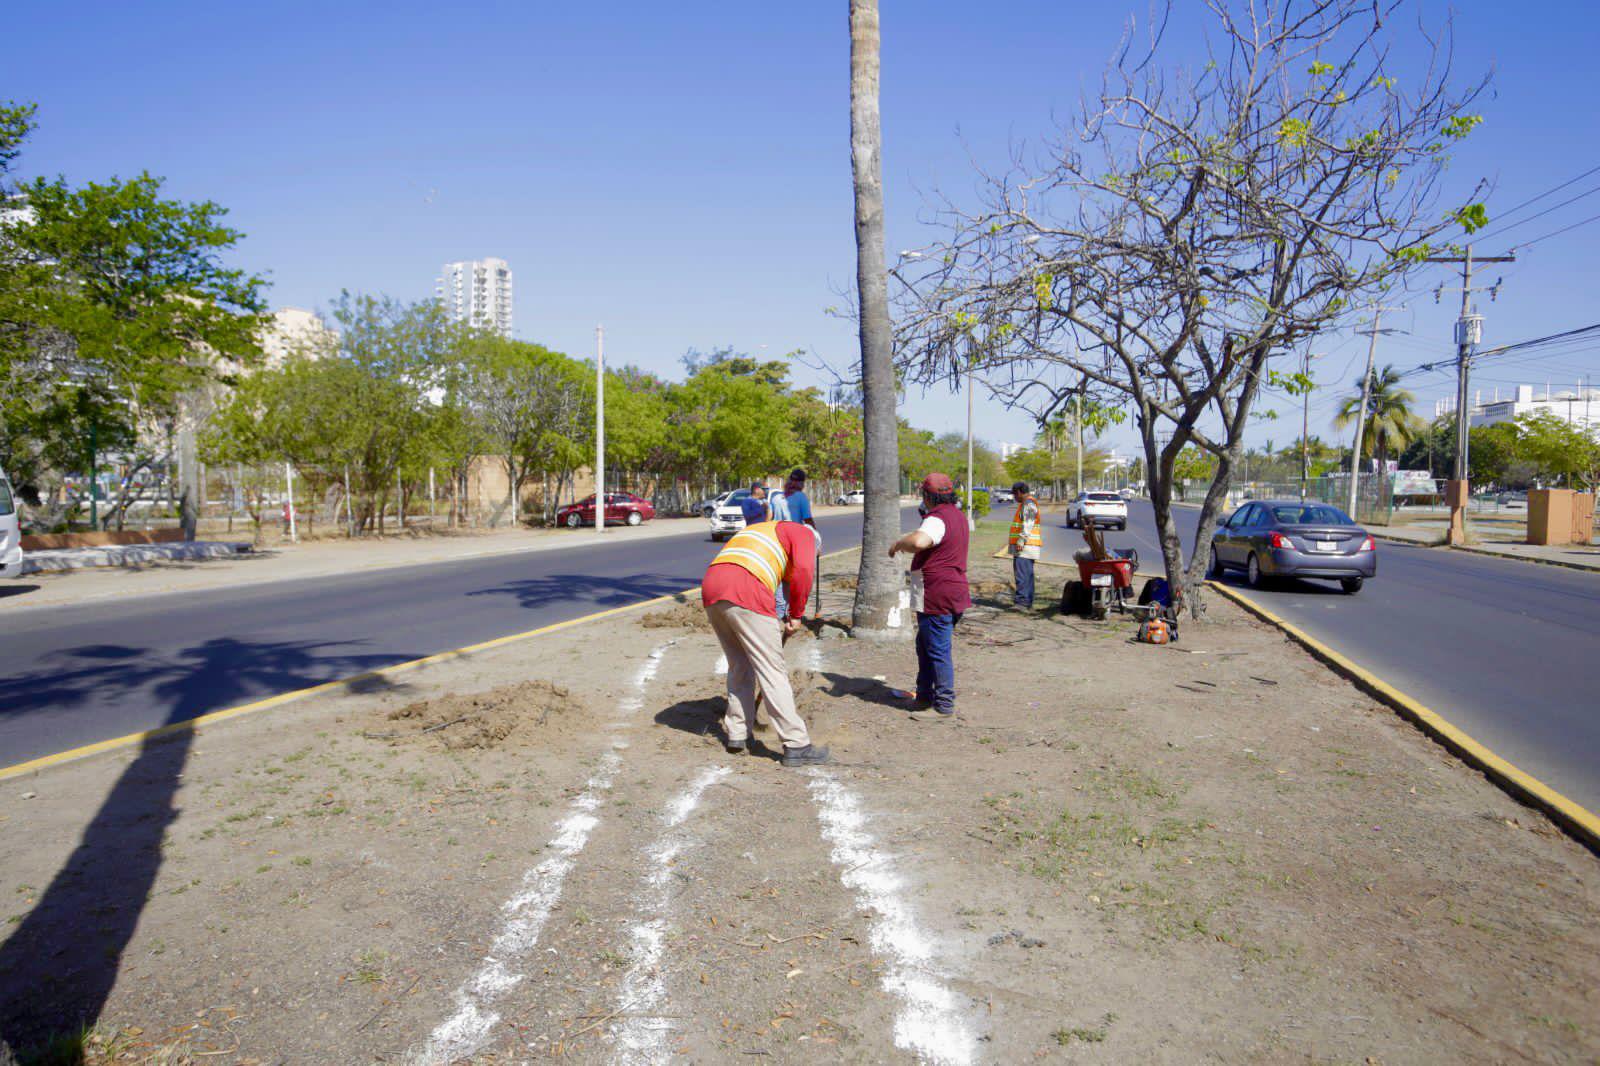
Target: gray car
x,y
1293,538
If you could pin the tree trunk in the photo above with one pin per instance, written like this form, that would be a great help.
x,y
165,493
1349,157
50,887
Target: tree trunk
x,y
877,606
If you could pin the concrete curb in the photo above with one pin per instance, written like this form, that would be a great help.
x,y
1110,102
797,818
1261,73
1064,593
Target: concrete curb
x,y
58,560
1580,823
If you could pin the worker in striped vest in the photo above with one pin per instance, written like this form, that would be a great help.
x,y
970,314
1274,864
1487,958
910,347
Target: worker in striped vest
x,y
740,593
1027,543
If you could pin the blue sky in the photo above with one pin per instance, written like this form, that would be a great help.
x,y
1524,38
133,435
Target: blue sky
x,y
681,172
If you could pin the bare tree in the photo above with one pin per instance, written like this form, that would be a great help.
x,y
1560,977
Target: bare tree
x,y
1196,225
878,583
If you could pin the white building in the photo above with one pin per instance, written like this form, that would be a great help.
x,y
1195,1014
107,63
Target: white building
x,y
478,292
1580,405
1008,449
297,332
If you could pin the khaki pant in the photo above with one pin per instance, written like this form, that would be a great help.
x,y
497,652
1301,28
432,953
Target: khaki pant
x,y
753,644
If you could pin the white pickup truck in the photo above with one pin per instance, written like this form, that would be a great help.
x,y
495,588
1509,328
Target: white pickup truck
x,y
1104,509
10,532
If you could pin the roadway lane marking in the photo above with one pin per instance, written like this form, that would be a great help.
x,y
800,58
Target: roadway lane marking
x,y
644,988
211,717
1580,822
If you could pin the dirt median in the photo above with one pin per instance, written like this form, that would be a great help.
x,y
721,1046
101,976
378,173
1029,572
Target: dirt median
x,y
1210,851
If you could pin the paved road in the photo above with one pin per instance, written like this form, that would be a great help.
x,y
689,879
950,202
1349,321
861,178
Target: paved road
x,y
1508,651
75,675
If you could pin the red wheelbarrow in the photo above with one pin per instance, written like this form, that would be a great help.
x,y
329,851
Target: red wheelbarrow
x,y
1103,584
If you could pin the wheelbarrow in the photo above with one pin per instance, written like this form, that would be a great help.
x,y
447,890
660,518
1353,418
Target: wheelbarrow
x,y
1103,585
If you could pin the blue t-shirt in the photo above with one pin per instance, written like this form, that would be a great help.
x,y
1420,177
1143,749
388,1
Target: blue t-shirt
x,y
799,506
780,507
754,510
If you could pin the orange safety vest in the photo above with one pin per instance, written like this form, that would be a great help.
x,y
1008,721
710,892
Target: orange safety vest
x,y
1035,539
758,550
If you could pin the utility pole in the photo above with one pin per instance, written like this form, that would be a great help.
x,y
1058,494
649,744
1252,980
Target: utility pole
x,y
599,429
972,360
288,482
1305,423
1469,330
1366,397
1078,418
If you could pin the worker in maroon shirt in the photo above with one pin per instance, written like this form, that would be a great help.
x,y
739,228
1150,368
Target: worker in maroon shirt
x,y
740,596
939,593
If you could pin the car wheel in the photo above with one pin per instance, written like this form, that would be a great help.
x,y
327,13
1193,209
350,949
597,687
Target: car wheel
x,y
573,521
1252,572
1214,570
1351,585
634,518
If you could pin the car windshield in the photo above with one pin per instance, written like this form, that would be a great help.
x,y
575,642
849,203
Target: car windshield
x,y
1310,514
6,506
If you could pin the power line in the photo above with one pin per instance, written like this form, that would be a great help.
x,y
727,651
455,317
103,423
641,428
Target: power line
x,y
1548,192
1559,232
1541,214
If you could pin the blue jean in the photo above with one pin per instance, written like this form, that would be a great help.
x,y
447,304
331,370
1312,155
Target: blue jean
x,y
936,664
1022,571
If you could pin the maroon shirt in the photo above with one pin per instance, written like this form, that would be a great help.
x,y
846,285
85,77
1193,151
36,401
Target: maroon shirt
x,y
944,566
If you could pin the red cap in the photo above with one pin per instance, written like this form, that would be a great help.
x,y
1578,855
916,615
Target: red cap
x,y
938,483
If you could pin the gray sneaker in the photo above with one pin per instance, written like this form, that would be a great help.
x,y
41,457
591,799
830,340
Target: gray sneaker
x,y
736,747
810,755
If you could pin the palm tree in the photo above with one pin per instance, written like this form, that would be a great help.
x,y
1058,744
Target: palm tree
x,y
1054,435
1390,422
878,580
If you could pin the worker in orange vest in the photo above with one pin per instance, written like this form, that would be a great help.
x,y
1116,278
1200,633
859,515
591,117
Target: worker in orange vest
x,y
740,596
1026,545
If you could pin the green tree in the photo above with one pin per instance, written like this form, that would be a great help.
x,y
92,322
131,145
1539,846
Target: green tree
x,y
1390,423
1557,449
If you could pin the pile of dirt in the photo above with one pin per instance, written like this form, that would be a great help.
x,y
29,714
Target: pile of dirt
x,y
846,583
990,589
477,720
684,614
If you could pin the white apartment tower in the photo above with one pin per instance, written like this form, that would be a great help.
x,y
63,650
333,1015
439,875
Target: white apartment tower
x,y
478,292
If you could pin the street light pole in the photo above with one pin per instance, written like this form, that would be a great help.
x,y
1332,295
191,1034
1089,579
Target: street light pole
x,y
599,429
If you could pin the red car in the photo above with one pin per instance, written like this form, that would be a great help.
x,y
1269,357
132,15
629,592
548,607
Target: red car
x,y
622,508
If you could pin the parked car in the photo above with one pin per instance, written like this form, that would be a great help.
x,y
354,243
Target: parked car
x,y
10,532
1105,509
1125,493
728,518
1292,538
709,507
852,498
622,508
1002,496
1512,501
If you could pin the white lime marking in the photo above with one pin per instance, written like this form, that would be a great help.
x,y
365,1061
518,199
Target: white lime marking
x,y
930,1023
468,1030
641,1037
525,915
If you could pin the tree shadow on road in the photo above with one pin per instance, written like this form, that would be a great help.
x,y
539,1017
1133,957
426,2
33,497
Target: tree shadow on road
x,y
617,591
59,965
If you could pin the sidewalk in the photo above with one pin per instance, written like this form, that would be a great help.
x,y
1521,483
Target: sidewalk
x,y
1494,542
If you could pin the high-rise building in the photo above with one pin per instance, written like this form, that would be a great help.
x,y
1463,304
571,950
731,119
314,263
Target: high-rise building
x,y
478,292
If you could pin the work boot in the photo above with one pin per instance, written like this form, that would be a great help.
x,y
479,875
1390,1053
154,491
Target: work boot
x,y
932,714
736,747
810,755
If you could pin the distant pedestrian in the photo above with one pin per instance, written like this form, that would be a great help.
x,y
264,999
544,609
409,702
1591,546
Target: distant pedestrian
x,y
939,593
740,596
794,494
779,502
755,505
1026,543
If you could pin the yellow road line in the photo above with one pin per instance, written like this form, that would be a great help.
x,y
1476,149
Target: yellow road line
x,y
1582,823
191,724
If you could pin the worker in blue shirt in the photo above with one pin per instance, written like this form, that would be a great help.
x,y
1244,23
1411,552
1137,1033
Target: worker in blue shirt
x,y
799,504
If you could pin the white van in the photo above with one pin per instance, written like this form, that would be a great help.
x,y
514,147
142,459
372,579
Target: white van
x,y
10,532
